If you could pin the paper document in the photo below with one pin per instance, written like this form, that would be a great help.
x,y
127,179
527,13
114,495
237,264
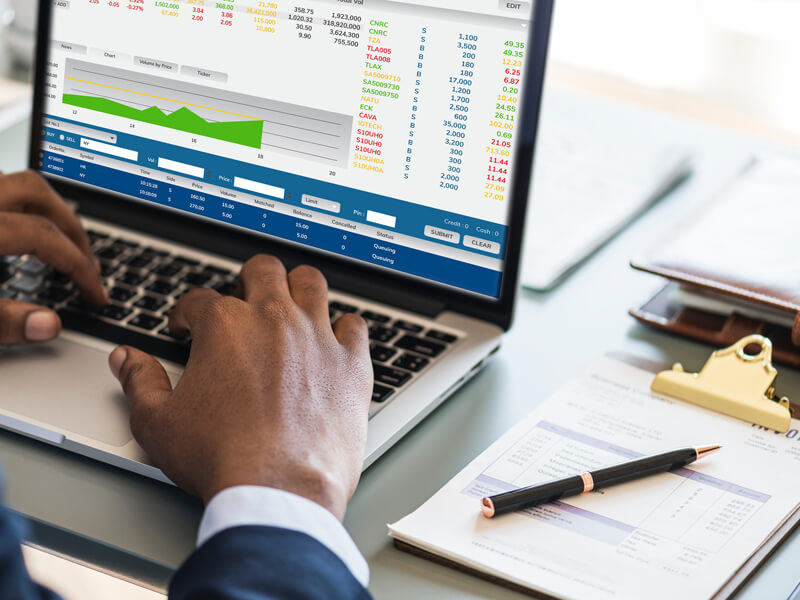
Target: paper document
x,y
681,534
74,581
598,165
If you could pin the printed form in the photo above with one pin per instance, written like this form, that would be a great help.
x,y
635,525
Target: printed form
x,y
678,534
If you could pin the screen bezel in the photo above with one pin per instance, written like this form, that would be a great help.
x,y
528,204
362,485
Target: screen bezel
x,y
348,276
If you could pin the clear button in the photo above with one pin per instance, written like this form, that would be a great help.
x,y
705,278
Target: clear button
x,y
481,244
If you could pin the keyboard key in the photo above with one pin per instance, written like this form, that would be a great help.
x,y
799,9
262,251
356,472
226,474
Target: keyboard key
x,y
156,252
185,260
169,270
410,327
110,253
427,348
131,278
217,271
78,303
441,336
114,312
151,303
345,308
55,293
26,284
381,334
390,376
8,260
58,277
140,261
381,393
196,279
107,269
96,235
381,353
117,333
31,266
5,274
167,333
412,363
7,294
162,287
376,317
148,322
125,244
121,294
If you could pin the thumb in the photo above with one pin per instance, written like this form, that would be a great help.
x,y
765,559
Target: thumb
x,y
144,382
21,322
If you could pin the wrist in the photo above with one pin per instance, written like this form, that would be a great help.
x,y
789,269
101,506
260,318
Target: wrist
x,y
320,488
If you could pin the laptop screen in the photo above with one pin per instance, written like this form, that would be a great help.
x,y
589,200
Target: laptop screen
x,y
381,131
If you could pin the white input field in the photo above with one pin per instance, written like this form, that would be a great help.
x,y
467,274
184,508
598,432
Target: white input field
x,y
109,149
179,167
381,219
259,188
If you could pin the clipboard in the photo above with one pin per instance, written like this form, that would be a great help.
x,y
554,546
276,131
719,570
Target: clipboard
x,y
756,368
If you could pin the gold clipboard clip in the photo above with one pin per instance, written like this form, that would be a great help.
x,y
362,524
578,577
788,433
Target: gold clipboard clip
x,y
734,383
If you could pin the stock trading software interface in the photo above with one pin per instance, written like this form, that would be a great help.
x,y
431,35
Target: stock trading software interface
x,y
382,131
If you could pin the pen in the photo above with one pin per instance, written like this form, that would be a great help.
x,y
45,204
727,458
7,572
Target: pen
x,y
541,493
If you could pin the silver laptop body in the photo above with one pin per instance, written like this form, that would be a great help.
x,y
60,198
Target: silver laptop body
x,y
388,143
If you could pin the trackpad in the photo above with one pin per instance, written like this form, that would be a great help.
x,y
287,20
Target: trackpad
x,y
68,385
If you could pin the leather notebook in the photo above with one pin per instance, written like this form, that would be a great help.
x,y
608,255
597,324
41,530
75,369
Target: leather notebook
x,y
733,268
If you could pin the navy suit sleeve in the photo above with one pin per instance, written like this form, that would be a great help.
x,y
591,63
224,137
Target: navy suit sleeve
x,y
15,583
264,563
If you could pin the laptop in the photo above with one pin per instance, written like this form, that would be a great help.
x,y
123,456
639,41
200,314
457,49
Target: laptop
x,y
388,143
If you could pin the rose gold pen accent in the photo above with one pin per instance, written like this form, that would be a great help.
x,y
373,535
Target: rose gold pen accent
x,y
488,508
704,451
588,482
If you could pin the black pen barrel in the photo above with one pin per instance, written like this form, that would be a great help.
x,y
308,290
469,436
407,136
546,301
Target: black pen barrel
x,y
537,494
643,467
572,486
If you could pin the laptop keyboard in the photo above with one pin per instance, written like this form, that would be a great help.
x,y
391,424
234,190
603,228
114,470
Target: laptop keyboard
x,y
144,284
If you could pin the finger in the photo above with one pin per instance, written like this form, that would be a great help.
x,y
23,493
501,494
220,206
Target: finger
x,y
31,234
145,383
352,333
263,280
309,290
189,313
21,322
28,192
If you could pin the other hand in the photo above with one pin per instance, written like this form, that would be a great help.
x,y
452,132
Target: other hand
x,y
272,394
35,220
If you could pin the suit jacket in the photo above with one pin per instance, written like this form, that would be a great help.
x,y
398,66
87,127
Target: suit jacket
x,y
242,563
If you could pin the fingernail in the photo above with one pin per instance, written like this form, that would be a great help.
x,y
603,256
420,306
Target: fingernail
x,y
116,360
41,326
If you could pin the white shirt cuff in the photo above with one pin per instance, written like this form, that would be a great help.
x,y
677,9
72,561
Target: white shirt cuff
x,y
254,505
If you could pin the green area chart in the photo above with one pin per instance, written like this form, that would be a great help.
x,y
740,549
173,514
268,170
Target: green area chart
x,y
246,133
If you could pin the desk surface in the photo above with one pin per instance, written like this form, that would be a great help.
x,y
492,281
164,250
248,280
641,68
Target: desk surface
x,y
554,335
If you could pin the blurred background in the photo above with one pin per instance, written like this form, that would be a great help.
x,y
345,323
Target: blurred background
x,y
730,62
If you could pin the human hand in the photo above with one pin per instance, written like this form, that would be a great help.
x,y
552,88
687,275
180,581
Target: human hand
x,y
271,396
35,220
